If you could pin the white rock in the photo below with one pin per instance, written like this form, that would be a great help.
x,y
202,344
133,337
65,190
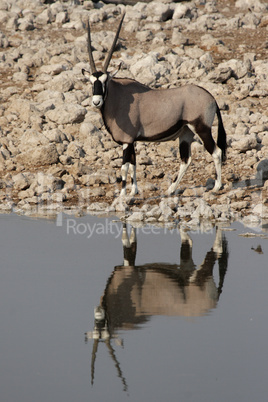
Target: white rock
x,y
20,182
178,38
48,183
239,69
159,11
255,5
62,17
20,76
32,139
136,216
25,24
144,36
48,94
63,82
246,143
55,135
53,69
67,114
40,156
4,42
45,17
182,11
75,150
203,210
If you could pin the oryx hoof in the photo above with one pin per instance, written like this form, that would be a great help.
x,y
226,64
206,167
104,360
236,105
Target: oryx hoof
x,y
172,190
217,187
134,192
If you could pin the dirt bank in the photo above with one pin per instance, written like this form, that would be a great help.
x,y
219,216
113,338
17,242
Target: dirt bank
x,y
54,149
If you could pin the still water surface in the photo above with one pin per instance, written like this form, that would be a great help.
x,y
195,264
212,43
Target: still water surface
x,y
179,317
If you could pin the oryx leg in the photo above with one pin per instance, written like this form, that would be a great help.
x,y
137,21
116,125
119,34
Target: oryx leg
x,y
129,163
186,139
134,187
204,132
217,156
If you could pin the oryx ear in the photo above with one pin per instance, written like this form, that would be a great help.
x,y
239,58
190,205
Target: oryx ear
x,y
113,74
86,73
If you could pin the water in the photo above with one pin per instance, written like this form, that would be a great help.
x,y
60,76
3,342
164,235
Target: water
x,y
180,323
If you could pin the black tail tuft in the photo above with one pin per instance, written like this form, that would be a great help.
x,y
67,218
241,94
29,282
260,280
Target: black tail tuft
x,y
221,141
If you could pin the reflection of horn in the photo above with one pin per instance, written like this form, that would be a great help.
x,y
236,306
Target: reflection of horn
x,y
113,356
101,333
93,358
116,363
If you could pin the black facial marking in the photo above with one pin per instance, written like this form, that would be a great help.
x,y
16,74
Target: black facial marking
x,y
98,74
97,88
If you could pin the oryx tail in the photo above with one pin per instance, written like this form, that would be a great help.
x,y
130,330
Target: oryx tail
x,y
221,141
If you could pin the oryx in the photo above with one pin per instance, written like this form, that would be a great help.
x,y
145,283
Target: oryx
x,y
133,112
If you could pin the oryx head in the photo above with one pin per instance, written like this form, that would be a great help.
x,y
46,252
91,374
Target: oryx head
x,y
99,79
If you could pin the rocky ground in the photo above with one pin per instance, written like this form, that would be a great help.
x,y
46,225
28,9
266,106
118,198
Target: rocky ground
x,y
54,150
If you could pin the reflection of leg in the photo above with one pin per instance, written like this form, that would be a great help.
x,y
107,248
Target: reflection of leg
x,y
129,246
133,236
185,238
125,239
217,246
186,261
206,268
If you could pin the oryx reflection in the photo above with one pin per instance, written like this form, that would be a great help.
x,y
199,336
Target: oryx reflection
x,y
133,294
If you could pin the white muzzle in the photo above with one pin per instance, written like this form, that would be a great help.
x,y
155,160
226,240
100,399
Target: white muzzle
x,y
97,101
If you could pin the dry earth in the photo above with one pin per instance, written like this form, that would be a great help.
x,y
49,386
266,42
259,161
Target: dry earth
x,y
58,157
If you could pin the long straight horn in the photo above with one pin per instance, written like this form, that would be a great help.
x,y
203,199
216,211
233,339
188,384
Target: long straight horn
x,y
109,56
89,48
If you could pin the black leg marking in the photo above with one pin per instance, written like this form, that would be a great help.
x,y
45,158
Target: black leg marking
x,y
209,143
129,161
184,151
205,134
129,154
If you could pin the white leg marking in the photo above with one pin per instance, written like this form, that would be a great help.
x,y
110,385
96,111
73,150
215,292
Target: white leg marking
x,y
183,168
132,170
185,237
133,236
217,161
124,172
217,246
125,238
